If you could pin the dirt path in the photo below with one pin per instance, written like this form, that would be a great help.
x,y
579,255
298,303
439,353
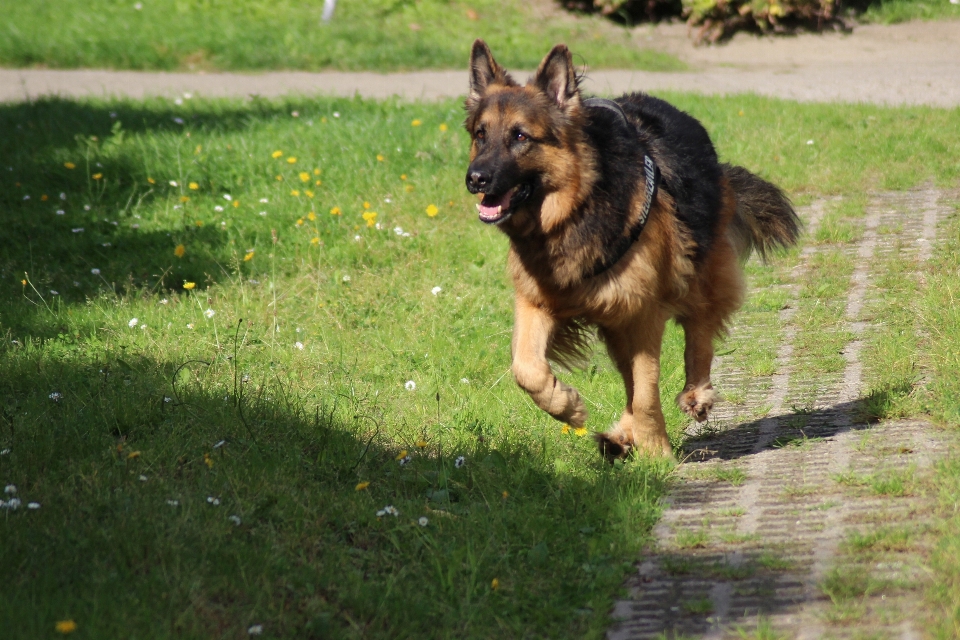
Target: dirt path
x,y
806,522
912,63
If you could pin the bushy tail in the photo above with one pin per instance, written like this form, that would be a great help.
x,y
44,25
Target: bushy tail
x,y
765,218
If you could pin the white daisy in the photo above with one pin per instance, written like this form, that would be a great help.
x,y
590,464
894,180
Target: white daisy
x,y
95,271
133,322
410,385
209,313
298,345
423,521
436,290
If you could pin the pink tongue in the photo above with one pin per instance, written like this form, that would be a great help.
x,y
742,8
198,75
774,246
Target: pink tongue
x,y
489,204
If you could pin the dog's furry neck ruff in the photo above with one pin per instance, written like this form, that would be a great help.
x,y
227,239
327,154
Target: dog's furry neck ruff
x,y
651,173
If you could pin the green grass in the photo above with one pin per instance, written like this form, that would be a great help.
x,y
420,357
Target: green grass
x,y
383,35
531,536
893,11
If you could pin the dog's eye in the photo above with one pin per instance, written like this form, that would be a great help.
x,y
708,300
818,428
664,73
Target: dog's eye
x,y
481,134
521,136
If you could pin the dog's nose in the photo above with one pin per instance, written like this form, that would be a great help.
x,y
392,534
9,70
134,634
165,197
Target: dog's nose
x,y
477,181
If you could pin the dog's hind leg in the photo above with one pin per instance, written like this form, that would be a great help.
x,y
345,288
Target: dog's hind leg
x,y
533,329
635,349
698,395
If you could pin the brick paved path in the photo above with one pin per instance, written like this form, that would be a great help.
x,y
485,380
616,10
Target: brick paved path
x,y
756,522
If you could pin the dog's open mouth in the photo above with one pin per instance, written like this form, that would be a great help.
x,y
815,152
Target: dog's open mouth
x,y
494,209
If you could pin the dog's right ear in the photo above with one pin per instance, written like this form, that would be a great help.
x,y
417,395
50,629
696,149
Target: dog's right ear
x,y
484,70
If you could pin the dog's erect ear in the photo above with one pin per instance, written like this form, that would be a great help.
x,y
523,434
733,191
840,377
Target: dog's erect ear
x,y
557,79
484,70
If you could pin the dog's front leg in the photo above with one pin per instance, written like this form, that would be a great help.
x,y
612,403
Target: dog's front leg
x,y
635,349
533,329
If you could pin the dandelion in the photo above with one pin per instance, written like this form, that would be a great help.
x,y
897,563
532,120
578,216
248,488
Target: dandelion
x,y
276,154
133,455
298,345
308,193
408,188
401,455
44,198
380,157
398,231
255,630
311,216
133,322
436,290
291,160
190,326
189,285
421,444
151,180
279,178
361,486
580,431
494,584
214,501
443,126
565,429
423,521
370,217
366,205
388,510
179,251
304,176
209,313
432,210
69,165
235,519
415,123
410,385
184,198
357,238
207,460
66,626
505,495
315,241
249,255
194,186
97,176
459,462
335,211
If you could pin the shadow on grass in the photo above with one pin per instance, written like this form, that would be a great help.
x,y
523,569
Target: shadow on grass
x,y
194,500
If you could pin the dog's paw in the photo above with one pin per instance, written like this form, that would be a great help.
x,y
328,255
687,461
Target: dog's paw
x,y
574,412
613,446
697,402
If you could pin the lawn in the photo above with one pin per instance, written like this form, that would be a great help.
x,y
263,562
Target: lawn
x,y
377,35
236,332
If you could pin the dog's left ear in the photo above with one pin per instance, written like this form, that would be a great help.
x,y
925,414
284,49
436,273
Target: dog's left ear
x,y
557,78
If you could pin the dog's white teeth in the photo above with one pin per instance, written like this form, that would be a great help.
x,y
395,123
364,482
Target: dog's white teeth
x,y
478,206
499,209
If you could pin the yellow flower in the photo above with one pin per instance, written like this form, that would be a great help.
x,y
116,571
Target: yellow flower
x,y
236,203
151,181
304,176
184,198
249,256
69,165
443,127
318,183
179,251
66,626
291,160
311,216
416,123
43,198
207,460
403,176
361,486
740,113
133,454
580,431
494,584
401,455
194,186
505,494
316,172
432,210
198,149
295,192
97,176
421,444
279,178
308,193
23,282
366,205
276,154
199,223
300,222
189,285
565,430
370,217
335,211
314,241
408,188
380,158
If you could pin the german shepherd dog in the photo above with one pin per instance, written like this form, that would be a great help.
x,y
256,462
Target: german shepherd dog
x,y
620,217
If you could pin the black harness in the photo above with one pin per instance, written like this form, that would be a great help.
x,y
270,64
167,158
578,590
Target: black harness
x,y
651,173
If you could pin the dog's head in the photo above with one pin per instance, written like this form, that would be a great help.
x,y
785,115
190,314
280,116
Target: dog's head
x,y
523,137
